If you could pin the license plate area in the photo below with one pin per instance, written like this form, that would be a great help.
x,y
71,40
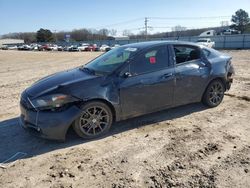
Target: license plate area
x,y
28,116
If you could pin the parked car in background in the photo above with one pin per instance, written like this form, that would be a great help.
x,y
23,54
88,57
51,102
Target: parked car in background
x,y
96,48
52,47
104,48
40,48
92,47
4,47
83,47
24,47
230,32
126,82
115,46
11,47
66,48
73,48
49,47
35,47
59,48
206,42
45,47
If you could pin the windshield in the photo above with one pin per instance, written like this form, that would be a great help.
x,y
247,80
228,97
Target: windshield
x,y
111,60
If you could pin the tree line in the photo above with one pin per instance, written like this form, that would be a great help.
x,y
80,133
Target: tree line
x,y
45,35
240,21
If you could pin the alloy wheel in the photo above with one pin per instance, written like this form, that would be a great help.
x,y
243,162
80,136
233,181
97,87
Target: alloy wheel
x,y
216,93
94,120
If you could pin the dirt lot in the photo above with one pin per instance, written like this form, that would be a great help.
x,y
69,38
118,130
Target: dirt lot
x,y
189,146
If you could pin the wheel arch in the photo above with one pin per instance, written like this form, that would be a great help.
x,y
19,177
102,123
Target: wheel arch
x,y
109,104
216,78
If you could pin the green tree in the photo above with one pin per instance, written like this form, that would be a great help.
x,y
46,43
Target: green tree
x,y
79,34
44,35
240,20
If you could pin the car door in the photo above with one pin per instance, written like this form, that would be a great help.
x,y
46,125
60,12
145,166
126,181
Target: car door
x,y
191,71
150,83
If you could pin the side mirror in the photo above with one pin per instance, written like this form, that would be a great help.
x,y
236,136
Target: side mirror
x,y
127,74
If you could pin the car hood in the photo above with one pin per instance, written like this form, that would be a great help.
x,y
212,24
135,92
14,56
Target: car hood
x,y
58,80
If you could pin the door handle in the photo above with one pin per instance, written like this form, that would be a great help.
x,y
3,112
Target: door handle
x,y
167,75
202,65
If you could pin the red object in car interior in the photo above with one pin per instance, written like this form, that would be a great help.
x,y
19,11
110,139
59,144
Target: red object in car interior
x,y
152,60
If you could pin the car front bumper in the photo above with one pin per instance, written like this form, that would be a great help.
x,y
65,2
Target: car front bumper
x,y
46,124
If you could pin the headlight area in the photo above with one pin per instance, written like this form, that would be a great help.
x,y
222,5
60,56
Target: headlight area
x,y
54,102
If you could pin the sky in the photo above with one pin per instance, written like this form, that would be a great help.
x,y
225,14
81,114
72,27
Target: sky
x,y
65,15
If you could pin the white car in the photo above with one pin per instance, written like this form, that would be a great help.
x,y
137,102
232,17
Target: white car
x,y
115,46
230,32
104,48
35,47
24,47
12,47
83,47
53,47
206,42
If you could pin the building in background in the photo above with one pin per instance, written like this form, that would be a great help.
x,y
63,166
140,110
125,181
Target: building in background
x,y
10,42
118,38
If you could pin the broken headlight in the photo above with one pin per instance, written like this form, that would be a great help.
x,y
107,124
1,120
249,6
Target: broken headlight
x,y
53,101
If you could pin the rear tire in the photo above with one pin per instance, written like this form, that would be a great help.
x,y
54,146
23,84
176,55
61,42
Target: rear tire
x,y
214,94
95,120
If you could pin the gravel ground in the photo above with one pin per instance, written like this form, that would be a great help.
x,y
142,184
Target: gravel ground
x,y
188,146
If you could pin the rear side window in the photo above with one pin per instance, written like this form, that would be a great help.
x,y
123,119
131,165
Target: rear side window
x,y
210,52
151,60
184,53
206,52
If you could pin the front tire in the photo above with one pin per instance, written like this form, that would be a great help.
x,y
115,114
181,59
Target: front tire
x,y
95,120
214,94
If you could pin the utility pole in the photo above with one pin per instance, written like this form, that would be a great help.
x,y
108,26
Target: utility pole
x,y
146,28
55,35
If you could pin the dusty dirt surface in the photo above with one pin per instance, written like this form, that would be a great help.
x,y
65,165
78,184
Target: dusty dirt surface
x,y
188,146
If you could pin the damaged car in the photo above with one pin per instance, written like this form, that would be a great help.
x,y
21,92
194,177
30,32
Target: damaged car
x,y
126,82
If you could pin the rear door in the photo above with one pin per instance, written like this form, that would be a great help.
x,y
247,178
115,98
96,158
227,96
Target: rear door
x,y
150,84
191,72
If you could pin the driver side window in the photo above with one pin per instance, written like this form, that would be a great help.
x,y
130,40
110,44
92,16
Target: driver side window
x,y
153,59
185,53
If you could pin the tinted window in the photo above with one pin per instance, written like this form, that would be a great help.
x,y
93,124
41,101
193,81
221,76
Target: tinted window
x,y
186,53
152,60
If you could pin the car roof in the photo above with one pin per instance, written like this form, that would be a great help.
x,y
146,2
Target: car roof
x,y
155,43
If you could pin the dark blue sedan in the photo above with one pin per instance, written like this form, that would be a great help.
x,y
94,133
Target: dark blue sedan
x,y
125,82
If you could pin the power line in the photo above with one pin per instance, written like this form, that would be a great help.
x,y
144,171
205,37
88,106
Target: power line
x,y
161,27
161,18
146,19
146,28
121,23
188,18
